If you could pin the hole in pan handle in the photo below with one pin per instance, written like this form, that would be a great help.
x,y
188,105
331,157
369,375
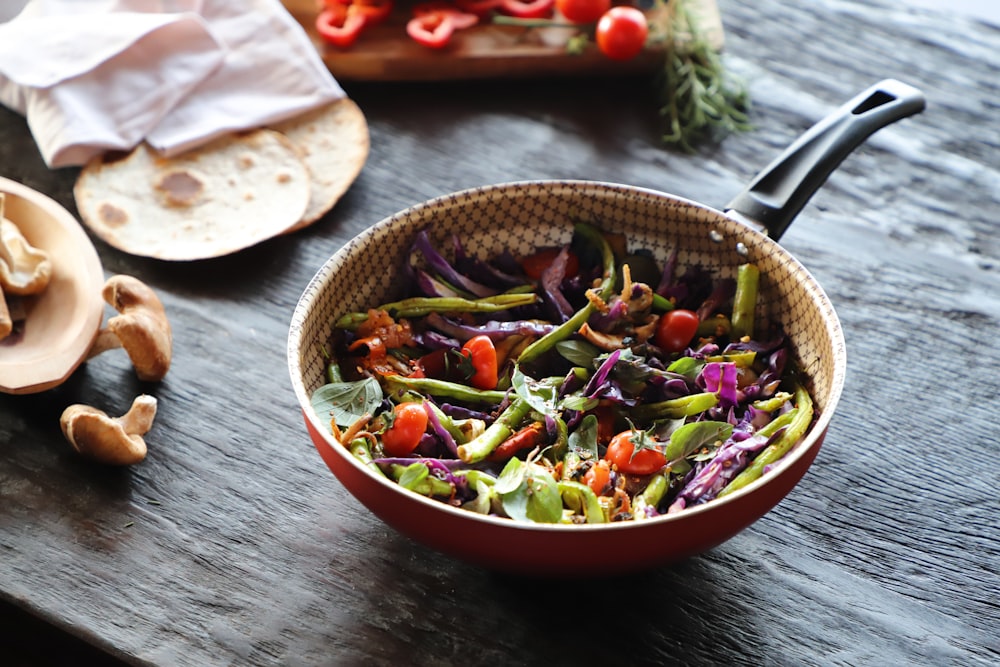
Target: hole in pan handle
x,y
776,195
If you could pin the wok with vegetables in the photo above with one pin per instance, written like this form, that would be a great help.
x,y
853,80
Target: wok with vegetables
x,y
584,383
665,372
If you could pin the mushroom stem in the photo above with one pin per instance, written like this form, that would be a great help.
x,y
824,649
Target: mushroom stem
x,y
141,327
106,340
6,323
139,419
114,441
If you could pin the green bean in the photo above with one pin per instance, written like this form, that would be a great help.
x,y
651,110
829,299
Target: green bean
x,y
793,432
360,450
442,389
502,428
573,324
561,445
578,497
427,485
447,423
571,462
655,490
716,325
333,373
745,300
675,408
773,403
662,304
560,333
419,305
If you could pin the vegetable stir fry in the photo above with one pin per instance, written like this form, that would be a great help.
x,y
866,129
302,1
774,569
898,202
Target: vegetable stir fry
x,y
581,384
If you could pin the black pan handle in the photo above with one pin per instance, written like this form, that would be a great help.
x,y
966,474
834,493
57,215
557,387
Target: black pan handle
x,y
779,191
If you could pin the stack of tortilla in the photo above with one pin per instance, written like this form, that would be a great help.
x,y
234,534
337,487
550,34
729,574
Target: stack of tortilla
x,y
228,195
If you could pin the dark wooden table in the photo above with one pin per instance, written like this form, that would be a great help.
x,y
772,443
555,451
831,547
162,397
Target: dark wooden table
x,y
233,545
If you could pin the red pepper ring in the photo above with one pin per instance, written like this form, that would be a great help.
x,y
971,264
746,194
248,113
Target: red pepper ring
x,y
460,19
338,26
374,11
479,7
528,9
432,29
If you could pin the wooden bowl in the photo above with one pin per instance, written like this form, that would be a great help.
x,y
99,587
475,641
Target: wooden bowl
x,y
62,321
523,216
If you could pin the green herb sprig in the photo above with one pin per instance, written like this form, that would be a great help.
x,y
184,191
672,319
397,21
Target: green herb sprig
x,y
700,98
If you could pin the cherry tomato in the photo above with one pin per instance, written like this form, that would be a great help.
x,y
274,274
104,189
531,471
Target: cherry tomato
x,y
583,11
621,32
483,355
598,477
622,453
536,263
676,329
407,428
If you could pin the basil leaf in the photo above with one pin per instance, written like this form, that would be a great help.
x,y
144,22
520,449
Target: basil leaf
x,y
686,366
510,477
584,439
579,403
481,503
347,402
412,475
536,499
692,437
541,396
578,352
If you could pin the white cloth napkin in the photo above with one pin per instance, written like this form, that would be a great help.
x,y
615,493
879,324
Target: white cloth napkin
x,y
97,75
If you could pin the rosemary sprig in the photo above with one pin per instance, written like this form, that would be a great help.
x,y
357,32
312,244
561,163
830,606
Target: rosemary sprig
x,y
700,99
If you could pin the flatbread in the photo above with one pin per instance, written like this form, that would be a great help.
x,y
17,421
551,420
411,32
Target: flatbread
x,y
334,143
213,200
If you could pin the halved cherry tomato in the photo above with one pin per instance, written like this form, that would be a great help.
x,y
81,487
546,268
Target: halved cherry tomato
x,y
338,26
536,263
407,428
623,454
583,11
598,477
621,32
676,329
483,355
528,9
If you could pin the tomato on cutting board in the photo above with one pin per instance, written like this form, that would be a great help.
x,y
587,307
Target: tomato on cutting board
x,y
621,32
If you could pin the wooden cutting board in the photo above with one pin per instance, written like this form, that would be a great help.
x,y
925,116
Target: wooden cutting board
x,y
385,52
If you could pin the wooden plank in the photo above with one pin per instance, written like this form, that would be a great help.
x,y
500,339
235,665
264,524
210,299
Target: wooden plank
x,y
486,51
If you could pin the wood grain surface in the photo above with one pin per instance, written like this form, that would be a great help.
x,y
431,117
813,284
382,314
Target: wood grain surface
x,y
486,50
233,545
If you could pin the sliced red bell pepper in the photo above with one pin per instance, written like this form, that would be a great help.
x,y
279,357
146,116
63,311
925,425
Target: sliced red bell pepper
x,y
528,9
374,11
478,7
433,29
460,19
338,26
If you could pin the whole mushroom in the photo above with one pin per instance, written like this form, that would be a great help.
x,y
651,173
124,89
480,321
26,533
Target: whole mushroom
x,y
116,441
142,327
24,269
